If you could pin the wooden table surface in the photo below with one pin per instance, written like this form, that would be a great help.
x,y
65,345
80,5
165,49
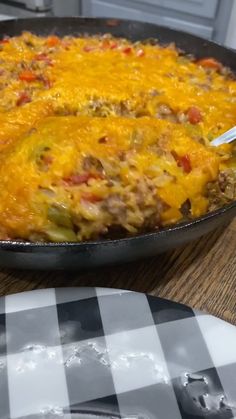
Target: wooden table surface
x,y
202,275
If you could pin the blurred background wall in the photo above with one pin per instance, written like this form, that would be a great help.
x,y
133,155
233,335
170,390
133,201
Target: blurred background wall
x,y
212,19
231,32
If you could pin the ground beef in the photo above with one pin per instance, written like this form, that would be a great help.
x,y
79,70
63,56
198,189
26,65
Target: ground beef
x,y
223,191
91,163
165,112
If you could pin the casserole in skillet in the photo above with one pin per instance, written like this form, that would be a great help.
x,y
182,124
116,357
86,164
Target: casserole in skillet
x,y
107,141
109,135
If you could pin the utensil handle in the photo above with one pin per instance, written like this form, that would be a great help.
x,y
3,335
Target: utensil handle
x,y
225,138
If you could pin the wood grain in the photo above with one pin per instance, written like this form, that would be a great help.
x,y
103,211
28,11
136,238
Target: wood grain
x,y
201,274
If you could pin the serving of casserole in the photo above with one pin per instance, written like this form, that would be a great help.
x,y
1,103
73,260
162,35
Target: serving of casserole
x,y
100,136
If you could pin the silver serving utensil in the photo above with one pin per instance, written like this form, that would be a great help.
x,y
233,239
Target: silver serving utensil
x,y
225,138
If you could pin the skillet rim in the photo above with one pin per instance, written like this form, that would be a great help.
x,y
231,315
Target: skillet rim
x,y
165,231
86,19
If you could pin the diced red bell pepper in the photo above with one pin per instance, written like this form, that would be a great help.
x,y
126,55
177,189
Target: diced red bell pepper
x,y
91,197
28,76
52,41
127,50
194,115
4,41
210,63
43,57
108,44
23,99
183,161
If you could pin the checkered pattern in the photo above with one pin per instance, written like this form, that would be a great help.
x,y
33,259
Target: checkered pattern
x,y
100,353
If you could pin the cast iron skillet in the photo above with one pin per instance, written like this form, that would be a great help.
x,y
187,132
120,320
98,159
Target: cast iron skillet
x,y
15,254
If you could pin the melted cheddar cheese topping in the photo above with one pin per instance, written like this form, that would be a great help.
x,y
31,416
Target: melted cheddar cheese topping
x,y
99,134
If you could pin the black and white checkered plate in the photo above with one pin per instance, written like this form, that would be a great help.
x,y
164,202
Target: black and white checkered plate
x,y
100,353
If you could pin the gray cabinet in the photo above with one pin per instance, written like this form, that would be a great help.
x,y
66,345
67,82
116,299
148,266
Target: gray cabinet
x,y
66,7
207,18
205,8
129,10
